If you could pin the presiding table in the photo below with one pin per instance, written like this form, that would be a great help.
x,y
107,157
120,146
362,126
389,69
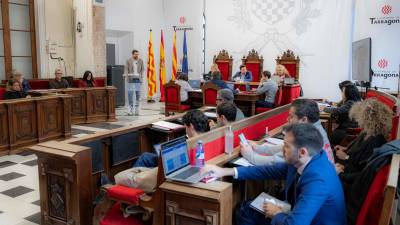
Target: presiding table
x,y
28,121
89,105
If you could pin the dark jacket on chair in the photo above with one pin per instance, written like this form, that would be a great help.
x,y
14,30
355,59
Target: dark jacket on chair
x,y
359,189
359,152
14,94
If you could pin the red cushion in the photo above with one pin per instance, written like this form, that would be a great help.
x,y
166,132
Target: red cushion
x,y
395,126
391,102
172,95
76,83
373,203
254,68
261,110
2,91
210,96
291,68
224,69
127,194
115,217
39,84
100,81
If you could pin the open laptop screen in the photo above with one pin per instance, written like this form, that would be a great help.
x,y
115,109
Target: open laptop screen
x,y
174,155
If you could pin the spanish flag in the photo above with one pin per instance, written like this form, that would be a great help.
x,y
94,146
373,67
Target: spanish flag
x,y
174,57
162,68
151,71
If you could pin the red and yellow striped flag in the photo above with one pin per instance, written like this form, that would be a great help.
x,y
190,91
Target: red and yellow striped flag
x,y
162,68
174,57
151,71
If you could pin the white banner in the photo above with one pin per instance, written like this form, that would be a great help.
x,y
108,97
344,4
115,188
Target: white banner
x,y
380,20
318,31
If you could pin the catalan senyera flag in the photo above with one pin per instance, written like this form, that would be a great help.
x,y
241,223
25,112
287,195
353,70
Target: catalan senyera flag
x,y
174,58
151,70
162,68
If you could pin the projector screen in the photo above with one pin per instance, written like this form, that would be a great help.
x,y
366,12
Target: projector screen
x,y
361,61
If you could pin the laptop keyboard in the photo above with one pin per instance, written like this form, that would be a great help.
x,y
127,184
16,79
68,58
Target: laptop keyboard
x,y
187,173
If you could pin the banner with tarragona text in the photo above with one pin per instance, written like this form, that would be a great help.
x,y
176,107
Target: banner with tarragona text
x,y
380,20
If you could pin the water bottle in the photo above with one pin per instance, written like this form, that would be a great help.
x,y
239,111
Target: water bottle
x,y
266,132
199,154
247,87
229,140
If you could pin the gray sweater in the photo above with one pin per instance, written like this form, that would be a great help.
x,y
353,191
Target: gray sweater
x,y
270,88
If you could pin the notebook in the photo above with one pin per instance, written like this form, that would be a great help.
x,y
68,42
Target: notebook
x,y
258,203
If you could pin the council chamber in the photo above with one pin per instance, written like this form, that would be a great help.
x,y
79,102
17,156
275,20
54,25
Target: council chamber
x,y
189,112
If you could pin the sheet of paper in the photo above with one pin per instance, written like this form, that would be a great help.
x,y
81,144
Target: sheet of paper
x,y
274,141
210,114
258,202
242,162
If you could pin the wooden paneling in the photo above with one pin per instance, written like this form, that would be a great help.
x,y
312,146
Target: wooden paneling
x,y
4,137
25,122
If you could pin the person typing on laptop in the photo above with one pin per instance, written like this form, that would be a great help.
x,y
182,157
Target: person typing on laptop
x,y
301,111
312,187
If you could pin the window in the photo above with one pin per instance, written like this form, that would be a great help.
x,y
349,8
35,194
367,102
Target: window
x,y
17,39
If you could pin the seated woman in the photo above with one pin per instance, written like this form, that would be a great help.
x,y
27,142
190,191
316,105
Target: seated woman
x,y
14,90
87,80
375,120
350,96
182,81
24,83
280,74
213,68
269,87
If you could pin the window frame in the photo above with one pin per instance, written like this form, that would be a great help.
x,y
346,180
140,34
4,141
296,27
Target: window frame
x,y
7,37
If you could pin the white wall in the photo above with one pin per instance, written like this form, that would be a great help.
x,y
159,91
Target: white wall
x,y
138,17
56,24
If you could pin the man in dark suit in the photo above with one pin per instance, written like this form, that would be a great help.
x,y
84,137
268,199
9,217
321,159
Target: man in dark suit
x,y
311,185
243,75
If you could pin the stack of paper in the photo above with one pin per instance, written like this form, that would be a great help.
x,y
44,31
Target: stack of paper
x,y
164,125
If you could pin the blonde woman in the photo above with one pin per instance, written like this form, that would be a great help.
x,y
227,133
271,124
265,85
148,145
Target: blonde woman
x,y
213,68
280,73
375,120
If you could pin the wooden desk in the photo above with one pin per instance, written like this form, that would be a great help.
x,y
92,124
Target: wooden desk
x,y
27,121
246,101
208,204
89,105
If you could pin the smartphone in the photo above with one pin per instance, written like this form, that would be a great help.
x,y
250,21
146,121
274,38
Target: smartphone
x,y
243,139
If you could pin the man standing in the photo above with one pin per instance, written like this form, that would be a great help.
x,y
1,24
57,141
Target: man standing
x,y
312,187
134,69
58,83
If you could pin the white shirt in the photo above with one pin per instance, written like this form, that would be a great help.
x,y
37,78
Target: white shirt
x,y
135,67
185,87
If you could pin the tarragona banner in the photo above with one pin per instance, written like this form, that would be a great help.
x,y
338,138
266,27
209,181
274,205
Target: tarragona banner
x,y
380,20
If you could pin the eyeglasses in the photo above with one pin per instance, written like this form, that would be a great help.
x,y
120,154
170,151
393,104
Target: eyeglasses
x,y
219,99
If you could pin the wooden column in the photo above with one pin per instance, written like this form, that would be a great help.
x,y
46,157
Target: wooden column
x,y
6,38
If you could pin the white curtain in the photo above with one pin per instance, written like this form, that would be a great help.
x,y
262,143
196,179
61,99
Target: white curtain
x,y
319,31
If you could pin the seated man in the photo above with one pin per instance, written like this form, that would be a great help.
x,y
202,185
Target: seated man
x,y
269,87
195,122
185,87
312,187
243,75
226,114
58,83
226,95
301,111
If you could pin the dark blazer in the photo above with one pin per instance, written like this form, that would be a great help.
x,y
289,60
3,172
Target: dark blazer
x,y
317,197
55,84
25,86
359,151
341,114
248,77
14,94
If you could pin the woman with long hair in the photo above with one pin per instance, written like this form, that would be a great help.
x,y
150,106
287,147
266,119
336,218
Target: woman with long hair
x,y
87,80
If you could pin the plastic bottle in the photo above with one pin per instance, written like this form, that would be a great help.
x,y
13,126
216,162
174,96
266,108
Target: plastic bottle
x,y
229,140
199,154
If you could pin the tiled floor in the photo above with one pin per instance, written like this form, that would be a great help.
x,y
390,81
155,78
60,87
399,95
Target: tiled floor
x,y
19,187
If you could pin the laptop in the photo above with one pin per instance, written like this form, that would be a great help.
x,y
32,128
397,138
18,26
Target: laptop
x,y
195,84
175,160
